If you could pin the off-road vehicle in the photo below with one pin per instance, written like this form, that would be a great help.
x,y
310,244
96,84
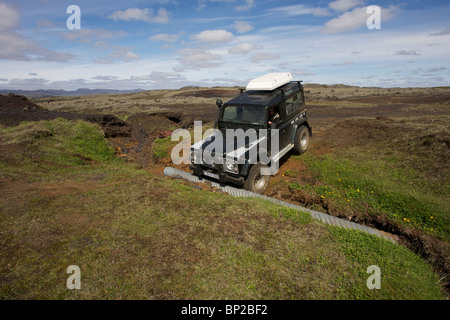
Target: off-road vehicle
x,y
265,100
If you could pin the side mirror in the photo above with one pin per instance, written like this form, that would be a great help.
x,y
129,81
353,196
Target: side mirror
x,y
219,103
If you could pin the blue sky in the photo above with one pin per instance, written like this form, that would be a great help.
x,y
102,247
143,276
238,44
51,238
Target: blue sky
x,y
165,44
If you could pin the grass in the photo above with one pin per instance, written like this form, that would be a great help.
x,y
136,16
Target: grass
x,y
162,147
139,236
62,142
379,186
395,264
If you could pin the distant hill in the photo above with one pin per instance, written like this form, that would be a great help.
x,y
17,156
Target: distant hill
x,y
64,93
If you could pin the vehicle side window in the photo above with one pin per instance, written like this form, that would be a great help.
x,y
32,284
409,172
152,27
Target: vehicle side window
x,y
292,104
289,106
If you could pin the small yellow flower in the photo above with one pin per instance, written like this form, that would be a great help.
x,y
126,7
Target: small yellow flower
x,y
431,217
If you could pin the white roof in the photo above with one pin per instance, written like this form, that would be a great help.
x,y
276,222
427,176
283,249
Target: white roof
x,y
269,81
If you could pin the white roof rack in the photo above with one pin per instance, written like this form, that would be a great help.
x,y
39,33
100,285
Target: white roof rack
x,y
269,81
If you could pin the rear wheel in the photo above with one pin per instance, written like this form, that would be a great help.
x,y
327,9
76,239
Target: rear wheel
x,y
256,182
301,142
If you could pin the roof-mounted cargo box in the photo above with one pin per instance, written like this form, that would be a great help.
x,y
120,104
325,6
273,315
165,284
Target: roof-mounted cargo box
x,y
269,81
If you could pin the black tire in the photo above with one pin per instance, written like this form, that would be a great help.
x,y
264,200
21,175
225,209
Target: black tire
x,y
256,182
301,142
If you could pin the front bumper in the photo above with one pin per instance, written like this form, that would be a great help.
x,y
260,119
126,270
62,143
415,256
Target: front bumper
x,y
223,177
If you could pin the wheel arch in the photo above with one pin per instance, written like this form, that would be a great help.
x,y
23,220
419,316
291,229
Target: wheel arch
x,y
297,126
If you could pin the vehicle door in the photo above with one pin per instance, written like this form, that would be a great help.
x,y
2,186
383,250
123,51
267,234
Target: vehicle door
x,y
282,126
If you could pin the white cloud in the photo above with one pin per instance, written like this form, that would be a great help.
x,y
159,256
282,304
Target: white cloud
x,y
154,80
355,19
105,78
102,61
9,17
131,14
214,36
242,26
201,5
145,15
162,16
87,35
348,21
29,84
304,73
320,12
160,78
124,53
164,37
442,33
243,48
119,53
198,58
407,53
101,45
437,69
247,6
300,9
264,56
345,63
14,46
344,5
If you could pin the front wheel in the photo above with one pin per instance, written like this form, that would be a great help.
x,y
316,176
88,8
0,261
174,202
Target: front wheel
x,y
256,182
301,142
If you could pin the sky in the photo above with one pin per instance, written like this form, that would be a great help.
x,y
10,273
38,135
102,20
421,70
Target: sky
x,y
169,44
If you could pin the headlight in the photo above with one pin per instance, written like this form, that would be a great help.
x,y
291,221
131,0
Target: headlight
x,y
232,167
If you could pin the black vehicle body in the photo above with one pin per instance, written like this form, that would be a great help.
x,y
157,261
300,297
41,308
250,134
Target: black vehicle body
x,y
288,100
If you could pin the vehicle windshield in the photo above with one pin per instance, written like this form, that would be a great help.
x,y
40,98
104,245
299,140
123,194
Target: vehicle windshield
x,y
247,115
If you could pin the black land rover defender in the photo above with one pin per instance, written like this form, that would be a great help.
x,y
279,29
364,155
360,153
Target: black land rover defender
x,y
282,108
